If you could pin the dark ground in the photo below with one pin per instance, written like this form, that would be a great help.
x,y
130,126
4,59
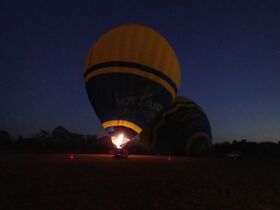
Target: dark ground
x,y
54,181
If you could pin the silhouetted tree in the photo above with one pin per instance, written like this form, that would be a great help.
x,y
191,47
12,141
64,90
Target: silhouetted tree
x,y
5,140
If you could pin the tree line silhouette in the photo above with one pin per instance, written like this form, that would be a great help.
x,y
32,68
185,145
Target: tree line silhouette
x,y
63,141
248,149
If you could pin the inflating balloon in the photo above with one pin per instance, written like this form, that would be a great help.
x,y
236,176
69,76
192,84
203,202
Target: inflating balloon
x,y
131,75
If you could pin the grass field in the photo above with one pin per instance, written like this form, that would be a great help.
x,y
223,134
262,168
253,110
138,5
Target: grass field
x,y
55,181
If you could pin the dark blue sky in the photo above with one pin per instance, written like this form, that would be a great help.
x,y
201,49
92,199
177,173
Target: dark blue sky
x,y
229,53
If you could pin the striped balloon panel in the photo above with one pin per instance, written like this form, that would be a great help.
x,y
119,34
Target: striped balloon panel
x,y
136,44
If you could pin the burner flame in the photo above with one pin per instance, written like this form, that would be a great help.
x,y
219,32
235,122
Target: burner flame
x,y
119,141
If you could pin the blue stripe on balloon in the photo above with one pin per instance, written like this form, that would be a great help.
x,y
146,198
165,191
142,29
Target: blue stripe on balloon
x,y
132,65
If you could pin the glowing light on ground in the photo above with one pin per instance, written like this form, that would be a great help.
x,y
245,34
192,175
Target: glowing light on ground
x,y
119,141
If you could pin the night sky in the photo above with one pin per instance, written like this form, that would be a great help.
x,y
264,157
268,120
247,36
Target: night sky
x,y
229,53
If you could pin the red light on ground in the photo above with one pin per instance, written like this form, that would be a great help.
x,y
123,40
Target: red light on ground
x,y
71,157
169,158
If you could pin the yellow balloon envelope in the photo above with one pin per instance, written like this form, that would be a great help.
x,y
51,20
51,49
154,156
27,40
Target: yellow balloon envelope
x,y
131,74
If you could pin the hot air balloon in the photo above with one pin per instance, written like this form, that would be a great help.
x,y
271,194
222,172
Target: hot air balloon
x,y
131,75
182,129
